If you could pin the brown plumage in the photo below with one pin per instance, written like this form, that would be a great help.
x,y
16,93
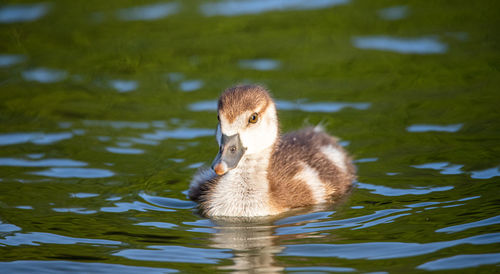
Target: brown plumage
x,y
287,192
237,99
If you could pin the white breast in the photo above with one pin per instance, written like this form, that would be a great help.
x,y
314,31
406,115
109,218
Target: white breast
x,y
243,191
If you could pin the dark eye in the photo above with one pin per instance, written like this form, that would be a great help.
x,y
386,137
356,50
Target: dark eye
x,y
218,119
253,118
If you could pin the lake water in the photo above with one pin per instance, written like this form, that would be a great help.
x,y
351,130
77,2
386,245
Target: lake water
x,y
107,111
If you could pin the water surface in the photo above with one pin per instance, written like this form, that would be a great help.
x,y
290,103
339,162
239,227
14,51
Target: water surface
x,y
108,108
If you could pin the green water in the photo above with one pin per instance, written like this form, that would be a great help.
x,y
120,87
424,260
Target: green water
x,y
106,112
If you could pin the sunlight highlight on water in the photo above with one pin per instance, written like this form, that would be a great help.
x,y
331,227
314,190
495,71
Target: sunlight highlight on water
x,y
148,12
239,7
7,60
23,12
67,172
424,45
44,75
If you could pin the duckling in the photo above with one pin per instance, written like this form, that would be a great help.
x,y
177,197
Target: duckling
x,y
258,172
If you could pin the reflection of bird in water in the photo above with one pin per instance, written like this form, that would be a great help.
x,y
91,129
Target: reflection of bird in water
x,y
258,172
254,241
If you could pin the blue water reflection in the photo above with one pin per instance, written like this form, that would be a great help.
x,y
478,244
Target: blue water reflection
x,y
116,124
37,138
124,85
37,238
157,224
23,12
462,227
7,60
82,195
319,269
444,167
320,107
260,64
393,13
44,75
366,160
239,7
486,174
76,210
23,266
122,150
136,205
66,172
328,107
389,191
148,12
191,85
424,45
41,163
180,133
461,262
167,202
4,227
442,128
378,217
173,253
383,250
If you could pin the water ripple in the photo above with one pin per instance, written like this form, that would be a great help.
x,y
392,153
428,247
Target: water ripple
x,y
461,261
148,12
37,138
328,107
427,128
62,172
305,217
233,8
41,163
121,150
444,167
356,222
167,202
4,227
486,174
259,64
180,133
23,12
124,85
191,85
136,205
425,45
74,210
382,250
319,269
389,191
7,60
77,267
175,253
157,224
462,227
117,124
393,13
44,75
82,195
37,238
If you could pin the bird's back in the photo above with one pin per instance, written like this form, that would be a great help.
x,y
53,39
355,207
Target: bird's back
x,y
308,167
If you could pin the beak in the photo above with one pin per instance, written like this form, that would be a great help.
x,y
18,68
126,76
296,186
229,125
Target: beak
x,y
230,152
